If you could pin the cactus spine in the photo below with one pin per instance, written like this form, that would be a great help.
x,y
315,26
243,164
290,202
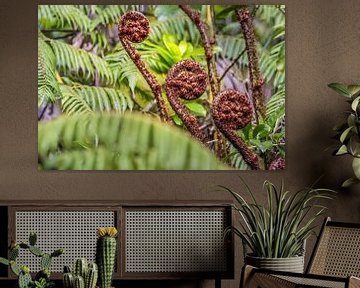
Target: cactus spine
x,y
106,254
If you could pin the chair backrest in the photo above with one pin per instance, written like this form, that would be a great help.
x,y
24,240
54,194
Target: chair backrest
x,y
337,251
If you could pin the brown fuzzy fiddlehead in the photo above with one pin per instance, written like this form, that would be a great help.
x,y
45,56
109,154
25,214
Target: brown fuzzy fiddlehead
x,y
187,80
206,41
277,164
232,110
134,27
256,80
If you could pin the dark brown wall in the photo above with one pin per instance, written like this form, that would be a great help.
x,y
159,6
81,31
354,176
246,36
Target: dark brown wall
x,y
323,46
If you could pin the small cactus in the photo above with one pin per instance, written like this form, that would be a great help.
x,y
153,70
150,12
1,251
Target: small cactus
x,y
32,239
84,274
68,280
106,254
36,251
23,273
91,276
80,268
45,261
79,282
24,278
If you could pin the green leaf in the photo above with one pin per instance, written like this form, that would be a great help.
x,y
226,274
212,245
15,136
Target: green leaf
x,y
356,167
354,89
119,142
349,182
183,47
177,120
196,108
345,134
342,150
355,103
4,261
340,88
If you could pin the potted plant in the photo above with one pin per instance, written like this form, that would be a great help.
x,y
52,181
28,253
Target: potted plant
x,y
349,132
276,233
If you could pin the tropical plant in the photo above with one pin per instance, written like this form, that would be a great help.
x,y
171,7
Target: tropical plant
x,y
349,132
83,69
279,229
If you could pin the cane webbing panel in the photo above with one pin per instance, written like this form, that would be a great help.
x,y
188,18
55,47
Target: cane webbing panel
x,y
304,282
74,231
175,241
338,252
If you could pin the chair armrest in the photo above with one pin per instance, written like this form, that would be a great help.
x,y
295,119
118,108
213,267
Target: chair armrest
x,y
252,277
354,282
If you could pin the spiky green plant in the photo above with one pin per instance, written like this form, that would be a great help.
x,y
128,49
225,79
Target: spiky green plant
x,y
106,254
84,273
279,229
42,278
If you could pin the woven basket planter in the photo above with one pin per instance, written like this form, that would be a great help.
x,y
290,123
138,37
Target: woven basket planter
x,y
291,264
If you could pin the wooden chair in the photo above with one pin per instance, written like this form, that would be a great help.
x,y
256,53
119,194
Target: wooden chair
x,y
334,263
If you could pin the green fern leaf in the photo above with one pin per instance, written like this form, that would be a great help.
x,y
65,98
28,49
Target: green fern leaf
x,y
48,88
82,99
124,142
80,62
63,16
179,26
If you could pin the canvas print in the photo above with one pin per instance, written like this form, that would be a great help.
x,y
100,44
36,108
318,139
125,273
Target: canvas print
x,y
161,87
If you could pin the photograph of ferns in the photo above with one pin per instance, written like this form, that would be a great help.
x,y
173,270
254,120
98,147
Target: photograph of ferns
x,y
161,87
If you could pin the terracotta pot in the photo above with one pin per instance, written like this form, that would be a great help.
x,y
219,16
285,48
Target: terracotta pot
x,y
291,264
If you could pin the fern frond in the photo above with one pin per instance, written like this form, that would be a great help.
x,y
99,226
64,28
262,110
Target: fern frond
x,y
82,99
111,14
80,63
179,26
63,16
124,142
48,88
231,48
276,102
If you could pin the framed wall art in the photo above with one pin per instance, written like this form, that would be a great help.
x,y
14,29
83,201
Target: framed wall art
x,y
161,87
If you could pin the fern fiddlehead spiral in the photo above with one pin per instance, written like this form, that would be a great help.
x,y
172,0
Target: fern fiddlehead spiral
x,y
134,27
232,110
187,80
257,82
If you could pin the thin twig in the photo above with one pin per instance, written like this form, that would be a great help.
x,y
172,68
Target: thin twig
x,y
232,64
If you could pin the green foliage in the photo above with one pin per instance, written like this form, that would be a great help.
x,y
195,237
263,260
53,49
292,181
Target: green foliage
x,y
279,229
124,142
42,278
48,88
349,131
83,98
80,63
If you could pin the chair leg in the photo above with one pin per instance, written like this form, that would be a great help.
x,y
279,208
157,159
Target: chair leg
x,y
251,279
